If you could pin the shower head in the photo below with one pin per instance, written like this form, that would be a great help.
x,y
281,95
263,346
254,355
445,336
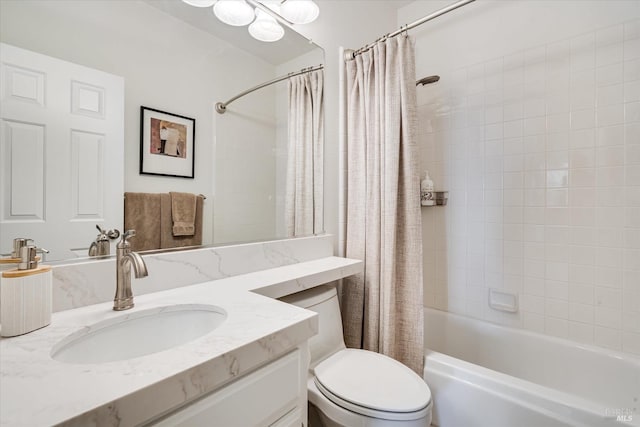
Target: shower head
x,y
427,80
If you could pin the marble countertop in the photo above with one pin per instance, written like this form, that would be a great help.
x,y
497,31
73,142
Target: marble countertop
x,y
37,390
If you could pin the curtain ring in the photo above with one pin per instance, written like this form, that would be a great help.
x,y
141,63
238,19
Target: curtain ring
x,y
406,31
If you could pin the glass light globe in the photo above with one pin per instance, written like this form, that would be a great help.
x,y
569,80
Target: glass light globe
x,y
233,12
300,11
265,28
200,3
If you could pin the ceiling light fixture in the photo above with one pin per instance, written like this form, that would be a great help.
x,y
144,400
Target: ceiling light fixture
x,y
264,26
200,3
300,11
233,12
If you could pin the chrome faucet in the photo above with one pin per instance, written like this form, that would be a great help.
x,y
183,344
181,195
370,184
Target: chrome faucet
x,y
125,258
101,246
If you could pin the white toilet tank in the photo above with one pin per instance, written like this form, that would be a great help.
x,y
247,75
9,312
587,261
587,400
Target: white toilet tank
x,y
324,301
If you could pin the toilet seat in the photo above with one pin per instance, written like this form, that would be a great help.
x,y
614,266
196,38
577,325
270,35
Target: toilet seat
x,y
373,385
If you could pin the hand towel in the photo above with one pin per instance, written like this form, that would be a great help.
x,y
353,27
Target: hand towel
x,y
141,213
183,213
167,239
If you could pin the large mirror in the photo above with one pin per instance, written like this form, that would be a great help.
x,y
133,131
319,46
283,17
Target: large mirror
x,y
178,60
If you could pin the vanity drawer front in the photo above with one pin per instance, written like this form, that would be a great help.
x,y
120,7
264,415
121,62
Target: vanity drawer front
x,y
258,399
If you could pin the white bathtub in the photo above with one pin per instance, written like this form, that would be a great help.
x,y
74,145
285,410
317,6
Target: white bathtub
x,y
481,374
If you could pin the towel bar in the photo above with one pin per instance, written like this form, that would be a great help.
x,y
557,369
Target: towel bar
x,y
124,196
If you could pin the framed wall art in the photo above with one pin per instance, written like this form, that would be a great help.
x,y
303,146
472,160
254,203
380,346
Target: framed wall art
x,y
167,143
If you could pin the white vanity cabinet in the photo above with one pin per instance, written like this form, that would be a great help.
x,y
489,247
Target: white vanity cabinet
x,y
273,395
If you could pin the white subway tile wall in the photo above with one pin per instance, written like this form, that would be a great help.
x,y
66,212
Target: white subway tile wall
x,y
540,153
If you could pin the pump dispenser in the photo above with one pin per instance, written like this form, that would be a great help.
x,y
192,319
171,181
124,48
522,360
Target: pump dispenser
x,y
11,260
25,294
426,191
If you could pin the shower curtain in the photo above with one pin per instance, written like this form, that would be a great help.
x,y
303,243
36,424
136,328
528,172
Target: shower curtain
x,y
382,307
303,198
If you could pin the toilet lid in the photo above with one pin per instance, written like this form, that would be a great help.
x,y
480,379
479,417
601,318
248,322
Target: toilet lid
x,y
367,380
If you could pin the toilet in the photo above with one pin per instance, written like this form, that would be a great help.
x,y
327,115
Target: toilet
x,y
356,388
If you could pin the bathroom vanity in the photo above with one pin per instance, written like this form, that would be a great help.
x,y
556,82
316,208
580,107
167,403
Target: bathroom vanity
x,y
273,395
251,369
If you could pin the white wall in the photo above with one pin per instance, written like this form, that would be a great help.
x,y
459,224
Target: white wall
x,y
167,65
245,173
534,130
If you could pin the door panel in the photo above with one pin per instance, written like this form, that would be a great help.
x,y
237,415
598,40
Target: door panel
x,y
62,151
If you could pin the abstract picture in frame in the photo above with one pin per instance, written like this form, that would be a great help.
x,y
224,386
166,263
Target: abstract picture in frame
x,y
167,143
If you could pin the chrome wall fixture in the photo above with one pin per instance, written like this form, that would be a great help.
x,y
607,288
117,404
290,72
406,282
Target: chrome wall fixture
x,y
221,107
262,16
427,80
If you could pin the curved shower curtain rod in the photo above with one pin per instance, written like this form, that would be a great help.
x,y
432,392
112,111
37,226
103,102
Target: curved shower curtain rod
x,y
221,107
350,54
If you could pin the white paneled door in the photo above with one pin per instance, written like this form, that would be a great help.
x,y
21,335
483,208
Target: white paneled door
x,y
61,151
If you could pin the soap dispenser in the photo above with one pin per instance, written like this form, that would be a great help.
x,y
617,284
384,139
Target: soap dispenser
x,y
25,295
426,190
11,260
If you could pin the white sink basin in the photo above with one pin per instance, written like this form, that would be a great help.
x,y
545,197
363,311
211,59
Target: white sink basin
x,y
139,333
